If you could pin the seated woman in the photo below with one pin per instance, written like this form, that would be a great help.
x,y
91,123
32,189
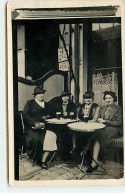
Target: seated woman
x,y
66,109
111,116
87,111
35,113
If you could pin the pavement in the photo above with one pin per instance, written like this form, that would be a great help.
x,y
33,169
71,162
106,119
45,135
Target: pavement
x,y
61,170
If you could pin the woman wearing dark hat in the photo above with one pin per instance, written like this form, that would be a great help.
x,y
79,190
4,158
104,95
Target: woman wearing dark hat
x,y
87,111
111,116
66,109
35,112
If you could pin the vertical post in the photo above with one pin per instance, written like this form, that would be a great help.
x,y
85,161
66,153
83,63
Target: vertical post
x,y
77,63
87,28
81,70
65,32
73,57
68,41
21,50
15,96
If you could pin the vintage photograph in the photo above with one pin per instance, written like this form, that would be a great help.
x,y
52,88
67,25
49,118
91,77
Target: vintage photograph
x,y
66,69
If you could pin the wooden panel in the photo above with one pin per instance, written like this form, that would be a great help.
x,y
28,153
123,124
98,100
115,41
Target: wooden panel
x,y
24,94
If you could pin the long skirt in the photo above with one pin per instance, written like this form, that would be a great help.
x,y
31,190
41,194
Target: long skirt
x,y
106,135
34,142
50,141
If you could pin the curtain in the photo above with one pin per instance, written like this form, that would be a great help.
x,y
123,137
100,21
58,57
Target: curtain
x,y
102,83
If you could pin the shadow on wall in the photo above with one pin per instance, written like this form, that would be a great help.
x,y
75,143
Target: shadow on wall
x,y
54,86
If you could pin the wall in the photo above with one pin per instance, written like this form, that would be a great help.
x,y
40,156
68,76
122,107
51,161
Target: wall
x,y
54,86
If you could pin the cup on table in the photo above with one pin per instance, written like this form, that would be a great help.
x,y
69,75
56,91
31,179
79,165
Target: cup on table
x,y
71,115
86,119
64,115
58,115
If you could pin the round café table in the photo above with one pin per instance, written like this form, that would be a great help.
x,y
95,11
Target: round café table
x,y
84,127
61,121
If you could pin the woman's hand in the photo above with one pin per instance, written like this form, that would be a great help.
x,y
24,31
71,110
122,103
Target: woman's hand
x,y
45,117
37,125
101,120
48,116
92,121
42,126
78,120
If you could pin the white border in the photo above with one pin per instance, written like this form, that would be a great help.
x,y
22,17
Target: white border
x,y
52,4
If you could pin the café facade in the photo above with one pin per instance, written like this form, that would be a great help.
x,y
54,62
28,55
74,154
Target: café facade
x,y
76,49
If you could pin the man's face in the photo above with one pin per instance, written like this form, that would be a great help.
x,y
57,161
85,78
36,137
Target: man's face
x,y
65,99
88,101
40,97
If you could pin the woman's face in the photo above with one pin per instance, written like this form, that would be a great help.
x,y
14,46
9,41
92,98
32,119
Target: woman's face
x,y
88,101
109,99
40,97
65,99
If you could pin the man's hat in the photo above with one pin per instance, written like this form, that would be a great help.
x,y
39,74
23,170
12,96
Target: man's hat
x,y
88,95
65,93
38,90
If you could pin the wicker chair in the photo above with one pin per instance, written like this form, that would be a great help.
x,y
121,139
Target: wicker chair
x,y
118,144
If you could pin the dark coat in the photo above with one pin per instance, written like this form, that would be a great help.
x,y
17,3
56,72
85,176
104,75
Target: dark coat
x,y
71,107
115,118
113,126
57,107
34,137
64,137
92,111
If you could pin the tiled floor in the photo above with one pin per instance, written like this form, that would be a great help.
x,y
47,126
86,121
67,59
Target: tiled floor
x,y
60,170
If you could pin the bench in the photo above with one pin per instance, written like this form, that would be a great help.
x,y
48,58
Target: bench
x,y
118,146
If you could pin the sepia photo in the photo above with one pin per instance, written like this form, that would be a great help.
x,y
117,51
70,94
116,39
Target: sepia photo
x,y
65,93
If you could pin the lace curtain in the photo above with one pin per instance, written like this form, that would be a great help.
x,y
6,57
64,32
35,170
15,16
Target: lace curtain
x,y
102,83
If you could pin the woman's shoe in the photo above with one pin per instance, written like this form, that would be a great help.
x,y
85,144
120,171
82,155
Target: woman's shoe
x,y
44,165
91,169
74,152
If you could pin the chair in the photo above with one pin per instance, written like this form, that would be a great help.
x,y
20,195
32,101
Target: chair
x,y
21,136
21,133
22,140
118,144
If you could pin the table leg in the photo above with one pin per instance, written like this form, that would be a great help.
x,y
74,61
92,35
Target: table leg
x,y
80,169
85,149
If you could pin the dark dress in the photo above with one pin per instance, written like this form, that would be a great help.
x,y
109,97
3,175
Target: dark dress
x,y
92,112
64,136
34,137
71,107
113,124
84,139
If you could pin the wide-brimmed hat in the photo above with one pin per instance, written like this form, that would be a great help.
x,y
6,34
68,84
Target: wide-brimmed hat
x,y
88,95
38,90
111,93
65,93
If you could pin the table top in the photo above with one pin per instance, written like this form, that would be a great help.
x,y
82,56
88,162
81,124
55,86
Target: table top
x,y
61,121
86,127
